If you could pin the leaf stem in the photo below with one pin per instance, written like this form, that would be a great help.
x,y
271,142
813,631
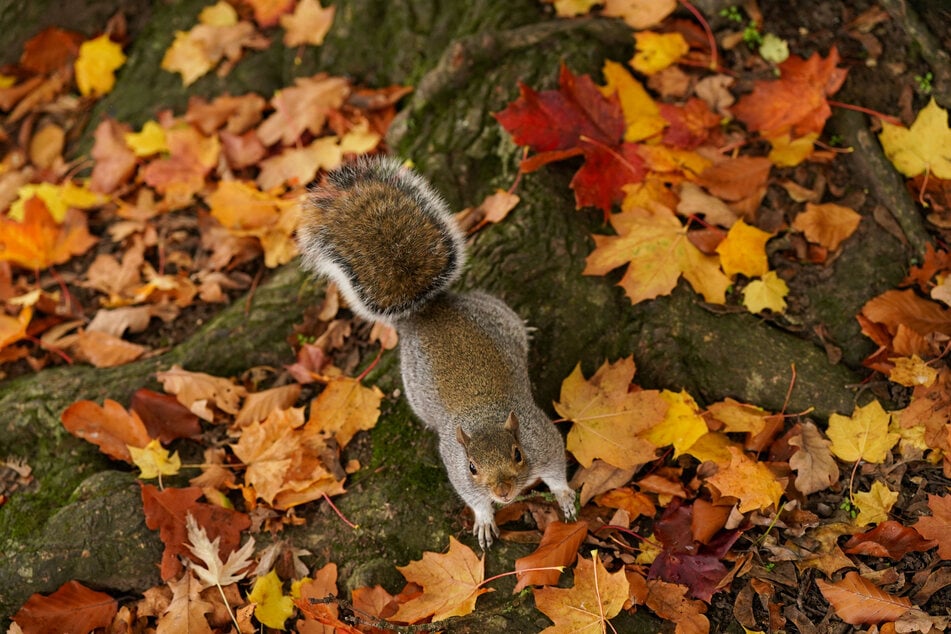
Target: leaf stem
x,y
714,62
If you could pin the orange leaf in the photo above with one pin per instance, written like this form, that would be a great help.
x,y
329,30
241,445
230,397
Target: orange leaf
x,y
38,241
857,601
309,24
596,597
558,548
937,526
345,407
303,107
110,427
749,481
73,609
114,160
450,581
827,224
103,350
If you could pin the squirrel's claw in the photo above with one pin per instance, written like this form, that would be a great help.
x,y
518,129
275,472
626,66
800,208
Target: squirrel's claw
x,y
486,531
566,499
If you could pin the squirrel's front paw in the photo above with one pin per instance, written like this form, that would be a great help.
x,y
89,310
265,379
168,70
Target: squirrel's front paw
x,y
485,528
566,500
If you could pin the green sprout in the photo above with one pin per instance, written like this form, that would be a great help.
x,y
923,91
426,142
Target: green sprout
x,y
924,83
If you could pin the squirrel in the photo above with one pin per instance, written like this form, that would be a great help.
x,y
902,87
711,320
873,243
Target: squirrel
x,y
389,241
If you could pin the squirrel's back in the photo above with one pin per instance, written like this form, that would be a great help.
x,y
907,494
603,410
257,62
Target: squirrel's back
x,y
384,236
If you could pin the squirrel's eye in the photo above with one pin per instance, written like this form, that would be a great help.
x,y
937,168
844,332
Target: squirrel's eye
x,y
518,455
472,468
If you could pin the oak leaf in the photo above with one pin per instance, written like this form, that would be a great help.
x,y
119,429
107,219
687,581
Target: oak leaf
x,y
858,601
815,468
558,548
863,436
451,584
923,147
608,417
596,597
654,246
110,427
308,24
72,609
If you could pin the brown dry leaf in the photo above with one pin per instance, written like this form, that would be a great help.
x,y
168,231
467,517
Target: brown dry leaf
x,y
72,609
117,280
633,502
751,482
308,24
110,427
181,174
816,468
103,350
297,167
237,114
669,601
303,107
889,539
258,405
451,584
904,308
558,548
597,479
596,597
827,224
199,391
695,201
345,407
113,161
858,601
608,418
186,610
494,208
937,526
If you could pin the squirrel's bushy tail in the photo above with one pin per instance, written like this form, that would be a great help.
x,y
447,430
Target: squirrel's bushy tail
x,y
383,235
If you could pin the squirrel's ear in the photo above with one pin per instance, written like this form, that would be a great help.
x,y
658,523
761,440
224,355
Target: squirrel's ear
x,y
511,423
461,436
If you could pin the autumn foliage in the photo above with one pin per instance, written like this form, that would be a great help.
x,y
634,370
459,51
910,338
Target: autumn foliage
x,y
681,499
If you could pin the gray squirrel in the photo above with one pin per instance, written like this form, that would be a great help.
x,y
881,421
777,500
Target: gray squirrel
x,y
388,240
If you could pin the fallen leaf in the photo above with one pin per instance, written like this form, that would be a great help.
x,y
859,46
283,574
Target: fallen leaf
x,y
815,468
303,107
641,114
558,548
596,597
271,606
768,293
657,51
186,609
922,147
451,584
110,427
889,539
751,482
308,24
154,461
39,242
863,436
669,601
113,161
875,504
198,391
72,609
743,251
912,371
682,425
96,65
937,526
827,224
345,407
640,14
103,350
858,601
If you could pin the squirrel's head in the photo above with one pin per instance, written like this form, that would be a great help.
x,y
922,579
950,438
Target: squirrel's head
x,y
496,461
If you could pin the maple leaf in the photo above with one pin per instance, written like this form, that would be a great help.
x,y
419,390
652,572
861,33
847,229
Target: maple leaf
x,y
669,601
181,173
13,329
863,436
923,147
154,461
937,526
345,407
596,597
451,584
110,427
272,607
609,418
113,161
39,241
751,482
912,372
874,505
186,610
298,166
633,502
150,140
682,425
303,107
743,251
95,68
309,24
198,391
211,570
796,103
268,12
813,462
72,609
558,548
857,601
167,510
657,51
768,293
655,246
827,224
258,405
641,114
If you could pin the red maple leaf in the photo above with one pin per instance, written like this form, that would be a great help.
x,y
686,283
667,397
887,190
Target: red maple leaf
x,y
795,102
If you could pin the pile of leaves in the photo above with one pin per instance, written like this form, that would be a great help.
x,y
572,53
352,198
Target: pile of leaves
x,y
679,503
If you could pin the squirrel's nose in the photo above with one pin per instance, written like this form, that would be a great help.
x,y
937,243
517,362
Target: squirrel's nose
x,y
505,491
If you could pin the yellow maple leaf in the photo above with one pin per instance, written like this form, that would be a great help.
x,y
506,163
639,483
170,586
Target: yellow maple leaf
x,y
153,460
682,425
451,584
863,436
789,152
150,140
657,51
912,371
344,407
609,418
309,24
641,113
96,65
768,293
874,505
595,597
923,147
750,481
712,447
655,244
744,251
271,606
